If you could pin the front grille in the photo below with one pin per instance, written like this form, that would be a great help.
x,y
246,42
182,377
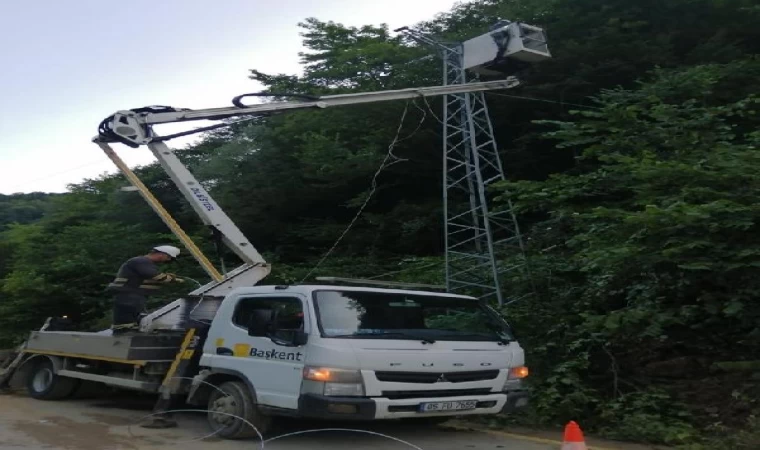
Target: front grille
x,y
399,395
436,377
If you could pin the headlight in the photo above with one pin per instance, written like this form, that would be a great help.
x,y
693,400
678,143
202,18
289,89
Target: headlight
x,y
518,373
344,389
332,382
332,375
514,378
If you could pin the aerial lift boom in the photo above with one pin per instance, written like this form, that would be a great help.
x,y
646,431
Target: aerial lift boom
x,y
135,128
143,362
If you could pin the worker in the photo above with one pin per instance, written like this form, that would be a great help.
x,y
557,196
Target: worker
x,y
138,278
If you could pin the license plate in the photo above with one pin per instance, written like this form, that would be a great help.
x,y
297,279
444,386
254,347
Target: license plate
x,y
458,405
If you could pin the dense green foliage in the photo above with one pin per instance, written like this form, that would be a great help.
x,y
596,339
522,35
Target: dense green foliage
x,y
631,157
648,252
22,208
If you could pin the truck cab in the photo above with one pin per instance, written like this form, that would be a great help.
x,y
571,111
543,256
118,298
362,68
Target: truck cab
x,y
363,353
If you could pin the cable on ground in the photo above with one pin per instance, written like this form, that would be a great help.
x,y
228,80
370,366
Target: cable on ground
x,y
263,441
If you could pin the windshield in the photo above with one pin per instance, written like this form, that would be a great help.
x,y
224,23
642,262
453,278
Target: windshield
x,y
382,315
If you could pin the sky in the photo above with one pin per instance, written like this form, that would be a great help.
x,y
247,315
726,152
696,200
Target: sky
x,y
67,65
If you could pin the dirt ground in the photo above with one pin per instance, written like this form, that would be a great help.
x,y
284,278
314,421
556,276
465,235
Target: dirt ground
x,y
110,423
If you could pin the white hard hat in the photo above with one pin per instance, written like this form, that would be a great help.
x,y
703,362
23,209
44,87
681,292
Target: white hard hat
x,y
167,249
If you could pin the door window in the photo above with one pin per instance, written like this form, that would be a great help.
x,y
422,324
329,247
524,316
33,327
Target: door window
x,y
284,314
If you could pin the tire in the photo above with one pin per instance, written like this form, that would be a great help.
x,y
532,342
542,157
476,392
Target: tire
x,y
43,384
234,398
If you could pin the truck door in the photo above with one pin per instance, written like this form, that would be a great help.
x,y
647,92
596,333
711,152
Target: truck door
x,y
273,362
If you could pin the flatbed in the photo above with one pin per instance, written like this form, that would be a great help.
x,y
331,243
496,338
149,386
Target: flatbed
x,y
54,363
134,350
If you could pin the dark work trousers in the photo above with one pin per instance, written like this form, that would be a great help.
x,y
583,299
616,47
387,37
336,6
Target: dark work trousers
x,y
127,307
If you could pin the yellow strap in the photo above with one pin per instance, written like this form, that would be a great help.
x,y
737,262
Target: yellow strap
x,y
162,212
182,349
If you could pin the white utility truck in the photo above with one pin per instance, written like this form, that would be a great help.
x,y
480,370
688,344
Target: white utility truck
x,y
258,352
304,351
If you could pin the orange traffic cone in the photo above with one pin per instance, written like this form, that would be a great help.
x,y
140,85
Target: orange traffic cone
x,y
573,437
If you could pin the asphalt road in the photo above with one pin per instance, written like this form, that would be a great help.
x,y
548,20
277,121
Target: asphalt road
x,y
111,424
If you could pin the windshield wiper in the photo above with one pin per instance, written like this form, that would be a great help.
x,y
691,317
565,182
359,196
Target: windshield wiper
x,y
499,339
383,334
424,339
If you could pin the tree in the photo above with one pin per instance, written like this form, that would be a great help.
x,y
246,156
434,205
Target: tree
x,y
640,223
648,247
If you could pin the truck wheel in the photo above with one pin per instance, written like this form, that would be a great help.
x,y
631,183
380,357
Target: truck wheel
x,y
233,398
43,384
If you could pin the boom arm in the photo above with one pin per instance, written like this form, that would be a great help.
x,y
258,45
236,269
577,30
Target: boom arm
x,y
135,128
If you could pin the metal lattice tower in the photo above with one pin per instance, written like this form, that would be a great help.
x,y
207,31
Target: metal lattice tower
x,y
482,243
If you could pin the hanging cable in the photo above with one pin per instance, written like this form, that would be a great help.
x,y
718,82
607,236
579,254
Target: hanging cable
x,y
217,236
384,165
406,269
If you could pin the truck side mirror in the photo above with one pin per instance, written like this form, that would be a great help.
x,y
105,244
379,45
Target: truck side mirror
x,y
259,322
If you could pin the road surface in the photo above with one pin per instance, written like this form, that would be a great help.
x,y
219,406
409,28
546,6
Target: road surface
x,y
109,424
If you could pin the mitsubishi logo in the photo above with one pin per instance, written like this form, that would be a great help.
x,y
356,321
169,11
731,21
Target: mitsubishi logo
x,y
441,379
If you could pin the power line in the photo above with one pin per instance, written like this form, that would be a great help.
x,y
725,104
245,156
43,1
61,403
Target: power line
x,y
520,97
55,174
385,164
406,269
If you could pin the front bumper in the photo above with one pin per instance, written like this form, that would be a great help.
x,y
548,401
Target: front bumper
x,y
353,408
515,400
317,406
